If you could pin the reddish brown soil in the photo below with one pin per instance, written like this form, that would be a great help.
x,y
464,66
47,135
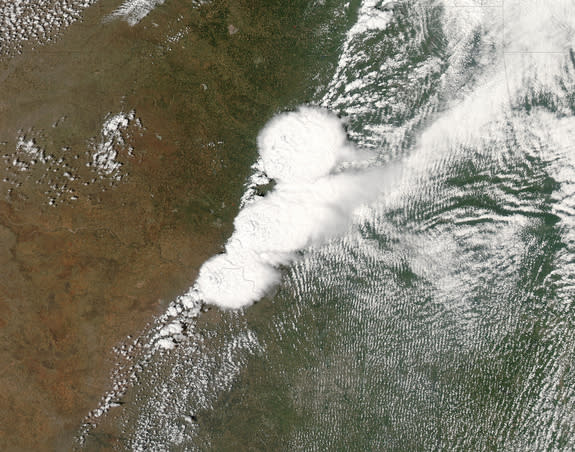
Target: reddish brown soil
x,y
78,277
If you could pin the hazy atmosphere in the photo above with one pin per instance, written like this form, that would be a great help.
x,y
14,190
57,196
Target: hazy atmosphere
x,y
309,225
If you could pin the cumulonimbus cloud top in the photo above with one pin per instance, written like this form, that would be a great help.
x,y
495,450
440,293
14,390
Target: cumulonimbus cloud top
x,y
314,199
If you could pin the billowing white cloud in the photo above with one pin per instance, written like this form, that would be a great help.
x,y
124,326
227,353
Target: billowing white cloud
x,y
318,189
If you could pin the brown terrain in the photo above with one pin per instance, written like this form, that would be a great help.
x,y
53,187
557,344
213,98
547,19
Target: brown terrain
x,y
89,257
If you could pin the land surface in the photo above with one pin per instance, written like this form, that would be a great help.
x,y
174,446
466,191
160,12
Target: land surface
x,y
88,258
